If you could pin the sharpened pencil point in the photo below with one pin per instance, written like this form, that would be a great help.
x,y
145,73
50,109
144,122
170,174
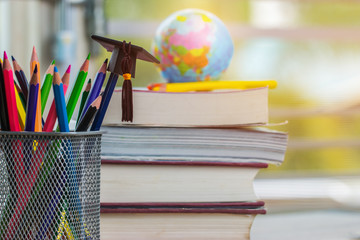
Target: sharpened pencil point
x,y
88,57
106,61
68,69
55,69
12,57
53,62
5,55
35,69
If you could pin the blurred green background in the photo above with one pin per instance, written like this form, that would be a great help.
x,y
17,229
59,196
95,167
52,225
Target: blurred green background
x,y
310,47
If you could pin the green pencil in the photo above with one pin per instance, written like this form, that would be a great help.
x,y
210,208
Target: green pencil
x,y
45,89
84,97
75,92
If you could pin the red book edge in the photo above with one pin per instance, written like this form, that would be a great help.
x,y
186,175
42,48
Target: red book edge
x,y
185,163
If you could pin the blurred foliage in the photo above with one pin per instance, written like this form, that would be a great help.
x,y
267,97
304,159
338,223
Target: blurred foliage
x,y
312,128
332,13
233,10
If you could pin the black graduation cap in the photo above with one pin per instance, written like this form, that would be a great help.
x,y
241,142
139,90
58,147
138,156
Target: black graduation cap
x,y
116,47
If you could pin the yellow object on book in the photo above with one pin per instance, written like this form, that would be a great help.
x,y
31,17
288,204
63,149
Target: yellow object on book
x,y
211,85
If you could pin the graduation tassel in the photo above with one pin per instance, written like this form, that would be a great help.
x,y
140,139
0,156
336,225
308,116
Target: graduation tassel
x,y
127,98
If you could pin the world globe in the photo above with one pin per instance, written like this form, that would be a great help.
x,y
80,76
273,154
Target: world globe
x,y
192,45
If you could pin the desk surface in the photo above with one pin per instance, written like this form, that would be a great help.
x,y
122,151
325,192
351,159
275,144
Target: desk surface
x,y
309,225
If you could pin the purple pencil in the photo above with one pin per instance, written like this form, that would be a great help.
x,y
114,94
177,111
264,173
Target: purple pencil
x,y
95,90
32,102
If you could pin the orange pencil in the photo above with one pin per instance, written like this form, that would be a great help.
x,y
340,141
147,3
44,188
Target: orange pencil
x,y
35,62
10,95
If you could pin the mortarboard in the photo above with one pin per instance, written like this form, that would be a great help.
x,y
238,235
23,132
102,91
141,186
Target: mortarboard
x,y
123,61
116,47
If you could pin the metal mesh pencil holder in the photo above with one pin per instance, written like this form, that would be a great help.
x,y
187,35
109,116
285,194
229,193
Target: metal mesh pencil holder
x,y
50,185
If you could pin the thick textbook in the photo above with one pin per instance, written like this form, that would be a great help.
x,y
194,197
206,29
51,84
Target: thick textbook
x,y
172,181
178,222
191,109
237,145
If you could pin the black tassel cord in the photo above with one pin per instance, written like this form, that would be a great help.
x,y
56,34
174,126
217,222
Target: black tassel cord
x,y
127,98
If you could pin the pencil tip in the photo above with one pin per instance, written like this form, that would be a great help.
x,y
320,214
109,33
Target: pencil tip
x,y
88,57
53,62
55,69
106,61
68,69
89,81
5,55
12,57
35,69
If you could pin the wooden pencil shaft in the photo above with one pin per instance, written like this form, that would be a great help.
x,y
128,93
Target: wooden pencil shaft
x,y
85,121
31,108
109,89
4,120
75,92
24,85
84,97
10,95
60,107
95,90
45,90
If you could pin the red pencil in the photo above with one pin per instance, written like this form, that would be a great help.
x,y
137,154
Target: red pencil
x,y
51,118
10,95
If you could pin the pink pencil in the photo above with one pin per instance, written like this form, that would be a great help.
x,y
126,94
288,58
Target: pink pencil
x,y
10,95
51,118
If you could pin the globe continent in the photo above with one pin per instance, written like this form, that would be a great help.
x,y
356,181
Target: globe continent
x,y
192,45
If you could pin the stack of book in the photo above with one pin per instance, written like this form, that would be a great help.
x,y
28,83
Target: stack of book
x,y
184,169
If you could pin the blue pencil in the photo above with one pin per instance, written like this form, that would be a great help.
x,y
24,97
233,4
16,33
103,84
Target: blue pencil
x,y
109,89
60,104
32,102
95,90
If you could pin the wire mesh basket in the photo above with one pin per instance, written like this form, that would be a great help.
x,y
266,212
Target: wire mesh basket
x,y
50,185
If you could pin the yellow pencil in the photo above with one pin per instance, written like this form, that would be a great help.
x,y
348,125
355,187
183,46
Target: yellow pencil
x,y
21,110
211,85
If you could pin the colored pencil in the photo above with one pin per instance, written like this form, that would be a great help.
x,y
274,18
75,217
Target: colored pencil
x,y
20,109
96,88
10,95
45,89
4,119
60,102
21,95
87,119
75,92
109,89
20,76
32,101
51,118
35,62
84,97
